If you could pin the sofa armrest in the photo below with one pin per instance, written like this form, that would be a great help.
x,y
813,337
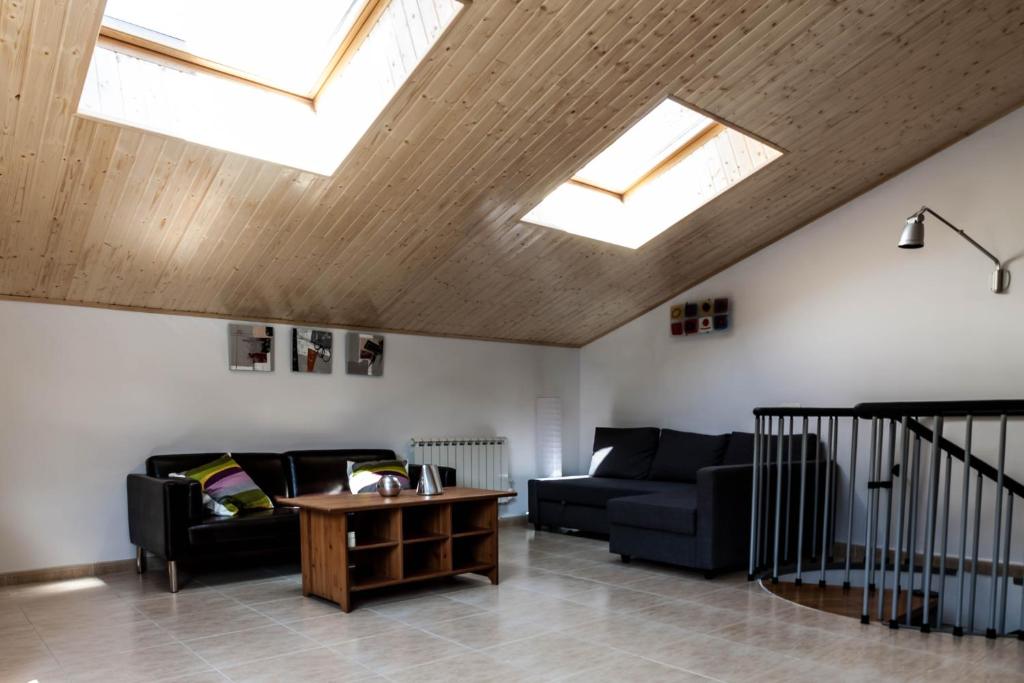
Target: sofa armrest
x,y
723,500
532,509
160,512
723,505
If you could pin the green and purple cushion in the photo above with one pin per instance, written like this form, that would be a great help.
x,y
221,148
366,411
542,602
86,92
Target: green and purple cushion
x,y
363,476
227,489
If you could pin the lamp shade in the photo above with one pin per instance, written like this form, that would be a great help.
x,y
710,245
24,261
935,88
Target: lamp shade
x,y
913,233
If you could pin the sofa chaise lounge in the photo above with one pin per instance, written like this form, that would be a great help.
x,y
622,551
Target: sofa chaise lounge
x,y
669,496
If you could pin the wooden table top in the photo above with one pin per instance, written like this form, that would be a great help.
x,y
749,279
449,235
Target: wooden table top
x,y
349,502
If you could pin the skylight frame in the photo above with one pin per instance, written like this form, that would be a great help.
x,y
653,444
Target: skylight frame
x,y
132,38
654,203
701,125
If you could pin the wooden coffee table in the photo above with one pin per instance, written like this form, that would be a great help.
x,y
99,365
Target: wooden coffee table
x,y
399,540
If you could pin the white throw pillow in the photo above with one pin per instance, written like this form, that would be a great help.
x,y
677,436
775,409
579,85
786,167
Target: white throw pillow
x,y
596,458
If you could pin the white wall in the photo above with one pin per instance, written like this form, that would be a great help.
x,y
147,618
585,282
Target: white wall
x,y
88,394
836,314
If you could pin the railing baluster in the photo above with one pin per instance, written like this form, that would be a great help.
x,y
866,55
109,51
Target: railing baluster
x,y
789,490
897,562
887,477
1006,565
974,553
778,503
1020,615
765,491
945,538
869,554
931,510
817,486
852,497
803,494
828,504
834,486
872,500
912,528
958,629
754,527
990,632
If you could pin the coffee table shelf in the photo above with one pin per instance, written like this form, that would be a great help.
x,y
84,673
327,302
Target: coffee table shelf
x,y
472,532
425,539
405,539
373,544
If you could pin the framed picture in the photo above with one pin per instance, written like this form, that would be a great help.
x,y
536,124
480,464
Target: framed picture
x,y
699,317
312,350
250,347
364,354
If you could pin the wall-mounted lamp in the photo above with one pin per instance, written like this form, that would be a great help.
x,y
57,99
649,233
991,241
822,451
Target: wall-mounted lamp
x,y
913,238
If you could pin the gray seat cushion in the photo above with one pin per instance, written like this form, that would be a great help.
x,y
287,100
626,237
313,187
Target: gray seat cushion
x,y
675,512
597,491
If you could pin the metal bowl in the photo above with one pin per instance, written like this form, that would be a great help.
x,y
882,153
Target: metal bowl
x,y
389,486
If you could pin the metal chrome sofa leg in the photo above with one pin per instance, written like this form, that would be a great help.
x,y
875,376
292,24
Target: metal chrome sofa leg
x,y
140,559
172,575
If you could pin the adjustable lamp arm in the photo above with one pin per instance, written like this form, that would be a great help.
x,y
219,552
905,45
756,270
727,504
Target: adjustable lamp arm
x,y
963,234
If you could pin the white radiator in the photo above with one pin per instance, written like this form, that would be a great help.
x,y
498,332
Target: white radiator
x,y
479,462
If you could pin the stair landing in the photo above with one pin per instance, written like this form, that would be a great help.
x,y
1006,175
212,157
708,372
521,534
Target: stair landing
x,y
848,602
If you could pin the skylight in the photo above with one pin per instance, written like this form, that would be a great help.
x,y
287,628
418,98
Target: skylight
x,y
640,150
289,46
296,83
660,170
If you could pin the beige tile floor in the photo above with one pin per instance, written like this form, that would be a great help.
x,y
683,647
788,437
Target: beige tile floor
x,y
566,610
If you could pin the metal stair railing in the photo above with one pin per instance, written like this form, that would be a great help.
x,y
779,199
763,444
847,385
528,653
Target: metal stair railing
x,y
899,478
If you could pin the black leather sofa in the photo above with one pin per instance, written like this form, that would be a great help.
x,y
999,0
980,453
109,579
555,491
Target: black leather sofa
x,y
166,516
673,497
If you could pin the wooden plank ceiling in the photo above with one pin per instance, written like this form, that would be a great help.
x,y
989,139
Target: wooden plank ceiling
x,y
418,229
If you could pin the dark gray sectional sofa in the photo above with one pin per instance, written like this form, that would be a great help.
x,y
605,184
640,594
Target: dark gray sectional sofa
x,y
669,496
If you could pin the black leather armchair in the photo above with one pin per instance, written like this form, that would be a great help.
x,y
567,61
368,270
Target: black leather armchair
x,y
166,516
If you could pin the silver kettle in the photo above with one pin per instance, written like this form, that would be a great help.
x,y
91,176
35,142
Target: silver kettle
x,y
430,481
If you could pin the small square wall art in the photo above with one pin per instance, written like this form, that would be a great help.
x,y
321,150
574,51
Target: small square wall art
x,y
364,354
312,350
699,317
250,347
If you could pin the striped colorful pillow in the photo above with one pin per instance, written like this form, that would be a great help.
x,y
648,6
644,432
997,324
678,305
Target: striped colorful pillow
x,y
227,489
363,476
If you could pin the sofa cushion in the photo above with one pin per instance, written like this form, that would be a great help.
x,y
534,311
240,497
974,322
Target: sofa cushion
x,y
277,527
631,454
681,454
268,470
597,491
675,512
363,476
326,471
227,489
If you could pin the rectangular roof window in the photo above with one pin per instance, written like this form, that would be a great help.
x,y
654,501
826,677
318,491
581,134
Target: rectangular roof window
x,y
660,170
288,46
643,147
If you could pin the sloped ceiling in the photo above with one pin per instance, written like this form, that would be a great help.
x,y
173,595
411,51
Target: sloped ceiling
x,y
418,230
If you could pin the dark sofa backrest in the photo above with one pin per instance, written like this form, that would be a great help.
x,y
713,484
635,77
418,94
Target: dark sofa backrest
x,y
632,451
269,470
740,450
294,473
326,471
